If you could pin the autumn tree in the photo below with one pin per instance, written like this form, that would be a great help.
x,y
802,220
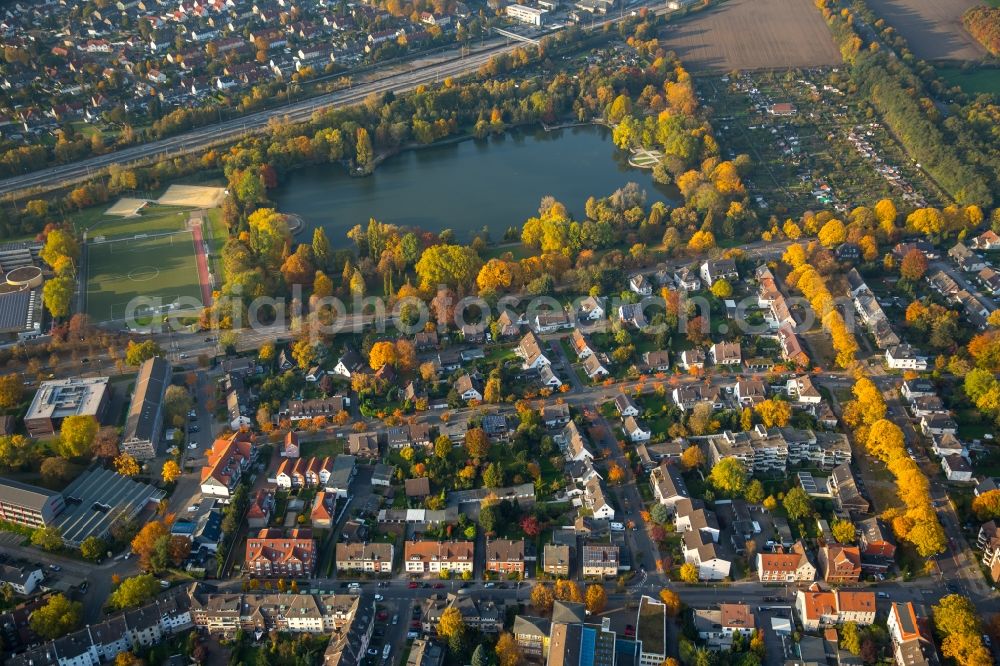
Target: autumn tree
x,y
672,602
56,618
913,266
832,233
596,598
126,465
508,651
76,435
382,353
692,457
567,590
171,471
688,573
477,443
844,531
729,476
986,505
616,475
450,623
542,597
145,543
57,295
774,412
452,266
11,390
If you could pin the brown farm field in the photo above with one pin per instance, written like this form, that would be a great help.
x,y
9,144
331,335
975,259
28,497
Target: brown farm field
x,y
933,28
753,34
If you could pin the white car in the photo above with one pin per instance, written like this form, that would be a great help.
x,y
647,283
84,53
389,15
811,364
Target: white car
x,y
379,597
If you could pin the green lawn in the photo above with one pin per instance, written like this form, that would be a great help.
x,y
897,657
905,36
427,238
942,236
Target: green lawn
x,y
973,81
153,219
161,267
329,447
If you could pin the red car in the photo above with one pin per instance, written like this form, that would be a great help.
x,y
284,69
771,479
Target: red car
x,y
382,615
438,586
629,630
413,585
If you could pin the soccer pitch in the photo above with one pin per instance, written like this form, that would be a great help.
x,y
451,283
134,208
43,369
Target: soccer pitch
x,y
157,266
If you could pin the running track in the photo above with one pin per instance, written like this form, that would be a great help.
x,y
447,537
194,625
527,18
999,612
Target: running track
x,y
202,261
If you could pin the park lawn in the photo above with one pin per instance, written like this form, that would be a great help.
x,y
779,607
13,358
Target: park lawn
x,y
118,272
973,81
971,424
153,219
321,449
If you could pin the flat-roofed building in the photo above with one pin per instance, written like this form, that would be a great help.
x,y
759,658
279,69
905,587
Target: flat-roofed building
x,y
651,632
144,424
29,505
55,400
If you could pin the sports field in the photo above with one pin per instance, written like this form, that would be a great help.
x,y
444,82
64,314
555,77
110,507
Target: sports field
x,y
161,266
152,219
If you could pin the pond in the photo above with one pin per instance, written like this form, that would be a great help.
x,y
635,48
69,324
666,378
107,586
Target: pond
x,y
464,186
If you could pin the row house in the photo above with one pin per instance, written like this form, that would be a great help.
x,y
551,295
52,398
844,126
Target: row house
x,y
783,566
299,410
600,560
272,554
365,557
303,472
840,564
817,608
435,557
223,614
575,445
99,643
912,638
505,556
228,460
477,613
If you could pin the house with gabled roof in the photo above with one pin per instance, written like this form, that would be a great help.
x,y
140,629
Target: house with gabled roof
x,y
530,349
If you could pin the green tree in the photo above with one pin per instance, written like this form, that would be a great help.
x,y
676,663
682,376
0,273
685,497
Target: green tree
x,y
659,513
56,618
321,249
797,504
364,153
177,402
134,591
442,446
755,492
480,657
47,538
493,476
93,548
137,352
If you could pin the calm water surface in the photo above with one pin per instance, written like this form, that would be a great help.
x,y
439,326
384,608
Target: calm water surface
x,y
497,182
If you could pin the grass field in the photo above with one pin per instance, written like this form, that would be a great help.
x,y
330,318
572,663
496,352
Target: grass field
x,y
933,28
153,219
157,267
753,34
974,81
